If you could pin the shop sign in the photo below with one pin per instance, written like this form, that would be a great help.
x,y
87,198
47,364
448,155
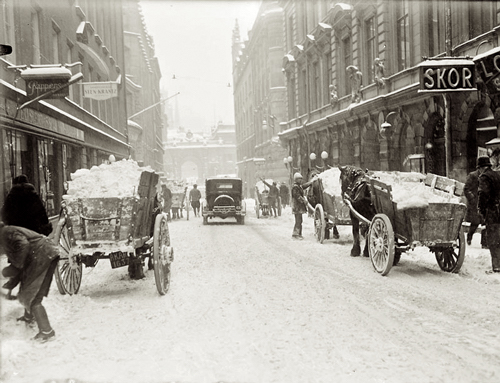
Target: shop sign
x,y
35,88
447,75
42,79
488,67
100,90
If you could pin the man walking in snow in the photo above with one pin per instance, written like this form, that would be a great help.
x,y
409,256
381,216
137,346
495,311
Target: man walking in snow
x,y
489,208
33,258
194,198
472,215
273,196
299,203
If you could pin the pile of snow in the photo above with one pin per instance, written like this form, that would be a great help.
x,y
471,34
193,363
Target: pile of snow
x,y
117,179
408,188
331,181
261,186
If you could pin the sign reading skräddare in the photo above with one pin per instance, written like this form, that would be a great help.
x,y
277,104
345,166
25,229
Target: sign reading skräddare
x,y
100,90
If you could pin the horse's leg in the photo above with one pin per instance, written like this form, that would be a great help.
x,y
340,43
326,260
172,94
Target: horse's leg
x,y
356,248
335,232
364,232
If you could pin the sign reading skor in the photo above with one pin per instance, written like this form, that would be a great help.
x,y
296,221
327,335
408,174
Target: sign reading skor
x,y
447,75
100,90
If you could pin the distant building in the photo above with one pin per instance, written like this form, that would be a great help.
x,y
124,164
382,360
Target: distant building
x,y
260,98
194,156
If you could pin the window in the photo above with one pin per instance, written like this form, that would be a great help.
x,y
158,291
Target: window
x,y
291,98
55,43
289,35
7,30
347,56
403,34
69,60
302,91
435,26
35,35
327,77
89,100
316,85
371,47
479,18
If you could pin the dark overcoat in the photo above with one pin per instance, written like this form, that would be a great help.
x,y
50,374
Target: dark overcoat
x,y
24,207
31,254
489,196
470,192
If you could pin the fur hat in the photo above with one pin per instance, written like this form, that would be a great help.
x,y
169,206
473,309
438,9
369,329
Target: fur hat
x,y
296,176
483,161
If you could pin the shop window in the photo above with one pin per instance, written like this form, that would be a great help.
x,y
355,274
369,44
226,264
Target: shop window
x,y
403,34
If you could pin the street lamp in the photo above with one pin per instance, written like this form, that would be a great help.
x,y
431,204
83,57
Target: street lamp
x,y
324,156
386,125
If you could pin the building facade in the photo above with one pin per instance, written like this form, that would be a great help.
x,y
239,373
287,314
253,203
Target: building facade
x,y
354,91
260,98
145,122
192,157
48,138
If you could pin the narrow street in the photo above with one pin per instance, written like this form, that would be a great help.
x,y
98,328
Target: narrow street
x,y
249,304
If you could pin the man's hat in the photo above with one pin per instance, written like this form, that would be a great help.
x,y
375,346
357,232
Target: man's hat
x,y
296,176
483,161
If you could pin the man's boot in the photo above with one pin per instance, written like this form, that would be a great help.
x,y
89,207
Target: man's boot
x,y
45,331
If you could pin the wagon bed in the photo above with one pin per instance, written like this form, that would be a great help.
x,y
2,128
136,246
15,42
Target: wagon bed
x,y
437,226
124,230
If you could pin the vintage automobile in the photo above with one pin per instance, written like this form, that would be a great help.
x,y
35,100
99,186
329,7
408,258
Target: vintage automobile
x,y
223,198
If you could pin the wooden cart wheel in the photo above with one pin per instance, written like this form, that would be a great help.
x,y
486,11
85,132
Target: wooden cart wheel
x,y
68,273
257,208
450,259
162,254
319,223
381,243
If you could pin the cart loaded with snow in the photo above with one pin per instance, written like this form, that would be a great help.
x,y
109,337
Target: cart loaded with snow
x,y
110,212
410,213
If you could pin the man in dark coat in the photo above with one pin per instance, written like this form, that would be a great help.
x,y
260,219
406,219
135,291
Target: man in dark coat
x,y
489,208
33,258
284,194
274,194
299,203
24,207
194,198
471,215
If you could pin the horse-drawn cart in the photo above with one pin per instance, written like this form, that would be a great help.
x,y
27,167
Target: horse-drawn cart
x,y
395,229
125,230
328,207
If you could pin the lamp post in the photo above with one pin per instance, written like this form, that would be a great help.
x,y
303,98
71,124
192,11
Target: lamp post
x,y
324,156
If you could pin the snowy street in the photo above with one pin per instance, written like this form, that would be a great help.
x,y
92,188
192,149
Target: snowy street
x,y
247,303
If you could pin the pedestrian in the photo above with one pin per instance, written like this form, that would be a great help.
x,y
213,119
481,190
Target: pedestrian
x,y
299,203
284,194
471,214
274,194
194,198
489,208
167,201
33,258
23,207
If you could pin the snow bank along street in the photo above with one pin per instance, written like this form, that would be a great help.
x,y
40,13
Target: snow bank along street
x,y
249,304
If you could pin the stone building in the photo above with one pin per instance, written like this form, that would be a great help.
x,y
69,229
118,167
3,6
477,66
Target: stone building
x,y
48,138
145,121
259,98
354,90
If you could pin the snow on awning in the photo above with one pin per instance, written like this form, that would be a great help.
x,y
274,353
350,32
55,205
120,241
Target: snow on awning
x,y
52,72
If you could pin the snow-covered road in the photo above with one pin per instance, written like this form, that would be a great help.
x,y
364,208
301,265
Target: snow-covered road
x,y
249,304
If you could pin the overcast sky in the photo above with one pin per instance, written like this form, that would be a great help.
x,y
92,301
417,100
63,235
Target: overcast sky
x,y
193,42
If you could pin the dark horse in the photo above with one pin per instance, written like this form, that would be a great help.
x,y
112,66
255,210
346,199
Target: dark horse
x,y
355,187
